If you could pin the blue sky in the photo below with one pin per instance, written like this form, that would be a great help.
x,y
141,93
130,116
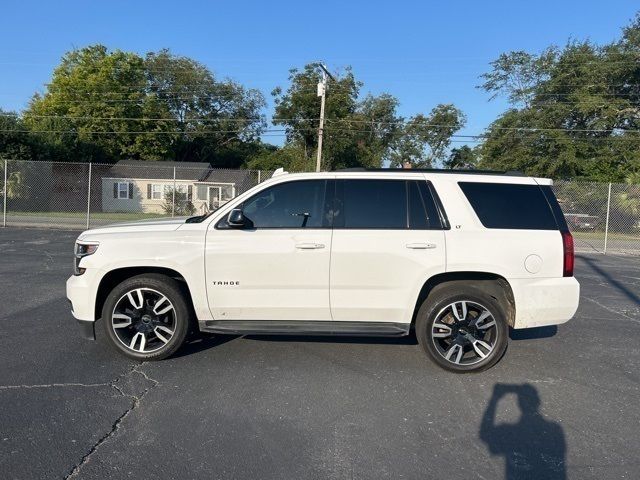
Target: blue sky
x,y
422,52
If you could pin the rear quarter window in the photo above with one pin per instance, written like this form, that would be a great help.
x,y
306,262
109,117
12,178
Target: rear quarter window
x,y
510,206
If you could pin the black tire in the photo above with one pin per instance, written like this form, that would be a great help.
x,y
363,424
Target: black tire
x,y
177,320
439,305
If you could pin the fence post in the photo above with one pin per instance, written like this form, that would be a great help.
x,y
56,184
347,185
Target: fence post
x,y
606,224
173,203
4,190
259,172
89,197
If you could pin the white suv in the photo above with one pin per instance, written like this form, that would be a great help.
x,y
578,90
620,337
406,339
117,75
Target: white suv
x,y
459,256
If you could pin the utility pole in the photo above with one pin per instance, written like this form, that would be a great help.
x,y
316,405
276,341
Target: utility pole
x,y
322,93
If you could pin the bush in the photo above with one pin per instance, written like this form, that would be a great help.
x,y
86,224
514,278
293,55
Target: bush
x,y
183,205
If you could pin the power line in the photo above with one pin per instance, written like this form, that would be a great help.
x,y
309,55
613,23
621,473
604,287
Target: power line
x,y
458,138
144,119
329,121
137,132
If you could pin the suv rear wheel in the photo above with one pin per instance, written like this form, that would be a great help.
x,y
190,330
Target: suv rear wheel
x,y
462,328
146,317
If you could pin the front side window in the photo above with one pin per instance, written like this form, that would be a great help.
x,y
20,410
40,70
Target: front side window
x,y
299,204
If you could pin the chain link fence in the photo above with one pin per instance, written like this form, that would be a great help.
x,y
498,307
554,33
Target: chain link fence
x,y
603,217
83,195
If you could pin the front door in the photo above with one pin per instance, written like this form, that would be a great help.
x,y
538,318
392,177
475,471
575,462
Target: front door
x,y
277,266
214,198
387,241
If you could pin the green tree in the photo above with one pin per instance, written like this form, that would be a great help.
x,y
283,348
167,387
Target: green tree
x,y
16,143
575,110
106,105
214,118
518,74
424,140
291,157
298,107
359,131
629,201
464,157
96,95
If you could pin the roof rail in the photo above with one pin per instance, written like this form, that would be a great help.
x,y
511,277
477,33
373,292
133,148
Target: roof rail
x,y
279,171
513,173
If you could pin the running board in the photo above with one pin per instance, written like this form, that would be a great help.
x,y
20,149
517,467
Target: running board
x,y
305,327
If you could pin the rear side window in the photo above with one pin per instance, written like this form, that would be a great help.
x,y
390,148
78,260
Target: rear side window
x,y
423,214
510,206
374,204
385,204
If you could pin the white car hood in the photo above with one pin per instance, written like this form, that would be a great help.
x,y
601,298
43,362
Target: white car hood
x,y
151,225
151,221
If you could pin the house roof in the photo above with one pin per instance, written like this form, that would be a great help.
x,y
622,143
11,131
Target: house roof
x,y
160,170
239,177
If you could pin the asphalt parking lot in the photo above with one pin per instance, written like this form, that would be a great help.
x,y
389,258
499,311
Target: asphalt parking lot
x,y
563,401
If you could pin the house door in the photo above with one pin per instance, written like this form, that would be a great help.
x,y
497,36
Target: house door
x,y
214,198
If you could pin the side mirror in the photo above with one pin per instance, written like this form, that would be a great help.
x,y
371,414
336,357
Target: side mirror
x,y
236,218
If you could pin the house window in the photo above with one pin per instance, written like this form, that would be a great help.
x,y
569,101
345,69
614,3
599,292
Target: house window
x,y
227,192
160,191
181,188
157,191
122,190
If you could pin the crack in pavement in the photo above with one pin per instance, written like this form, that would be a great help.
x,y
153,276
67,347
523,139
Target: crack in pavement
x,y
136,399
55,385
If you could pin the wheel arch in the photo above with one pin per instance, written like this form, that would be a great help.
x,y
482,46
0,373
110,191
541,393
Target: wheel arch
x,y
491,283
116,276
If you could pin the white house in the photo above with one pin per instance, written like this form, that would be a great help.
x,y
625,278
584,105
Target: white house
x,y
140,186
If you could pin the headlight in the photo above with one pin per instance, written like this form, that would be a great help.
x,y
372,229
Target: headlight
x,y
82,250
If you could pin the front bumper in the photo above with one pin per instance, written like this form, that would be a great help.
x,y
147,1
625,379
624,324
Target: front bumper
x,y
87,329
545,301
81,293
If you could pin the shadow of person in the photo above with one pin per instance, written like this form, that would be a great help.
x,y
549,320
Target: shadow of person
x,y
534,448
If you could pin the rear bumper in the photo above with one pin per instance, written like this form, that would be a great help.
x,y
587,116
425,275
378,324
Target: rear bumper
x,y
545,301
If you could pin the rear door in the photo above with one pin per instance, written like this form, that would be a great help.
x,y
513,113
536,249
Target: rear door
x,y
387,241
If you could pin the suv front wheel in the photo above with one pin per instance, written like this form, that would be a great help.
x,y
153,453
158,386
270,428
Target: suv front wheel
x,y
146,317
462,328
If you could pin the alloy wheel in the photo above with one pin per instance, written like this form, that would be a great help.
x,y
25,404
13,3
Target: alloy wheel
x,y
464,333
144,320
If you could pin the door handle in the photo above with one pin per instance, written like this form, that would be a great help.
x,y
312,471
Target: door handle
x,y
309,246
421,246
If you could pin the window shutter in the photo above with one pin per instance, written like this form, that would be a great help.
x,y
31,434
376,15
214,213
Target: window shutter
x,y
148,190
131,190
190,193
115,189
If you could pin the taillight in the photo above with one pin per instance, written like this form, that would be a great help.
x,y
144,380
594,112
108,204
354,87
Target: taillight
x,y
567,246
